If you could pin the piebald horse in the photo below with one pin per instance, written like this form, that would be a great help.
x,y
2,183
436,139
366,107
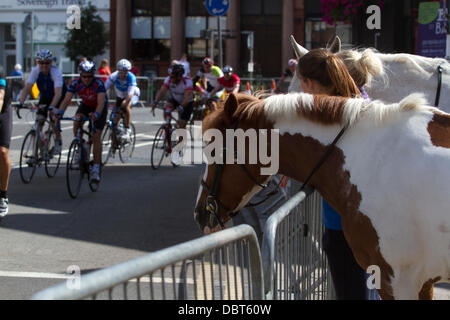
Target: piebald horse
x,y
387,176
403,74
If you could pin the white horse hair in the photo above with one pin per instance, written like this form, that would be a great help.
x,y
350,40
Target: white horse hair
x,y
401,75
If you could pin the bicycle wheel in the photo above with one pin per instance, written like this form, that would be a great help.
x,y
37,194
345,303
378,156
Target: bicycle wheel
x,y
52,160
75,169
126,150
28,157
159,147
107,145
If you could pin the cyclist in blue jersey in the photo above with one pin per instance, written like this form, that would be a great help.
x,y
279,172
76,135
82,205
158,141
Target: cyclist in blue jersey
x,y
52,89
125,85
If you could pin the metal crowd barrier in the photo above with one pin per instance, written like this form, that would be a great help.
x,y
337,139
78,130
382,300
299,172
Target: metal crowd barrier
x,y
295,266
223,265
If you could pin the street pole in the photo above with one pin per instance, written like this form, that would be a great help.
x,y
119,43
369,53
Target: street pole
x,y
220,43
32,40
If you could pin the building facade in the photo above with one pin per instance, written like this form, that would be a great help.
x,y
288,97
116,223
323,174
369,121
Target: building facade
x,y
154,32
17,41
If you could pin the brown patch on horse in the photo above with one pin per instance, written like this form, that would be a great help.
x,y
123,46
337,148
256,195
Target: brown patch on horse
x,y
340,194
326,109
439,130
427,289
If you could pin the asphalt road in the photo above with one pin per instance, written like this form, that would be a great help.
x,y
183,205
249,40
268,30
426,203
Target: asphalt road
x,y
137,210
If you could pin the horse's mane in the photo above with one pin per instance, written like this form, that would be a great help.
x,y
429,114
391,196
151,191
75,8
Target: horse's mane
x,y
338,110
326,110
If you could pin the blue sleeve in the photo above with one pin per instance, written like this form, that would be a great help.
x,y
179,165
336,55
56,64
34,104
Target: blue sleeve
x,y
72,87
132,80
100,86
2,83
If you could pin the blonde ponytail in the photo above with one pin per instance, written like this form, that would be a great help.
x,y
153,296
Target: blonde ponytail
x,y
362,66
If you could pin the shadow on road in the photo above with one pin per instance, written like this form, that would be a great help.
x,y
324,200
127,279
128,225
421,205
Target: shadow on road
x,y
136,207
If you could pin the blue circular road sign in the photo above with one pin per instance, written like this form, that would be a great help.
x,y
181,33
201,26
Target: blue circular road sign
x,y
217,7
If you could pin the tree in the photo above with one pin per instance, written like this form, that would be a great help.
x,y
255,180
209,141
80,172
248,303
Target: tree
x,y
91,39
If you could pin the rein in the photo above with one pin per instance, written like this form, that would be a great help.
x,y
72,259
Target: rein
x,y
438,93
213,203
324,156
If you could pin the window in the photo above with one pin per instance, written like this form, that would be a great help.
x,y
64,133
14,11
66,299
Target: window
x,y
150,30
198,22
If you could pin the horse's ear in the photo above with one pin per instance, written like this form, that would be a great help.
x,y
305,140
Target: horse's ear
x,y
298,49
230,108
335,46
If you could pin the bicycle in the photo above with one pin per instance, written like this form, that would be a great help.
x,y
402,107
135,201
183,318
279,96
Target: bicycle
x,y
78,163
112,140
38,147
163,143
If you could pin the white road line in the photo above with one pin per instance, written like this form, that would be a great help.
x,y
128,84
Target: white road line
x,y
46,275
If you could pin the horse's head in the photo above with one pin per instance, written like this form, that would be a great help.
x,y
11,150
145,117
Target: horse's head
x,y
227,186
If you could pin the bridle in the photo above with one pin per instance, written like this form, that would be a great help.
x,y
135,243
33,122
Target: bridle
x,y
213,204
438,92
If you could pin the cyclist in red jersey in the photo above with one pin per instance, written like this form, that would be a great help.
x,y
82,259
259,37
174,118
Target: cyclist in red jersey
x,y
230,82
92,92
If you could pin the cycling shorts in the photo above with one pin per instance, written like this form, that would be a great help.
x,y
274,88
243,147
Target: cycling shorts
x,y
99,124
46,101
187,111
6,127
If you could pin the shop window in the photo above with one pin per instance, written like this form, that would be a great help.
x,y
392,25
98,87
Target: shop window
x,y
150,30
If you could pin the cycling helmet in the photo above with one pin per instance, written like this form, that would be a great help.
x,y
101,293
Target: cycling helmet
x,y
44,55
227,69
208,61
124,65
177,70
86,67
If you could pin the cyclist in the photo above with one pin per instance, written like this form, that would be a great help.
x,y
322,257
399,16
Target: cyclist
x,y
92,92
5,140
212,74
181,96
230,82
125,85
52,90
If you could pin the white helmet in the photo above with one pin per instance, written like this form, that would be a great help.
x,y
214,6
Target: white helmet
x,y
124,65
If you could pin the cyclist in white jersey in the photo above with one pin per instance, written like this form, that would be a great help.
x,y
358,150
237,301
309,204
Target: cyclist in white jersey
x,y
181,95
125,85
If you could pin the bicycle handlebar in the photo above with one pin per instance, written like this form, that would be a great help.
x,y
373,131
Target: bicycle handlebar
x,y
94,130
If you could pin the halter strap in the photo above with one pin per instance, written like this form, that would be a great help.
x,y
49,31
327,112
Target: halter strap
x,y
438,93
324,156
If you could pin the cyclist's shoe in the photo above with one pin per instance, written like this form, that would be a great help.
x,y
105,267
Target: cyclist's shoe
x,y
3,207
95,175
57,148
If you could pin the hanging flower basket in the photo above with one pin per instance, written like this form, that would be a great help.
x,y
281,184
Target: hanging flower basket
x,y
335,11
